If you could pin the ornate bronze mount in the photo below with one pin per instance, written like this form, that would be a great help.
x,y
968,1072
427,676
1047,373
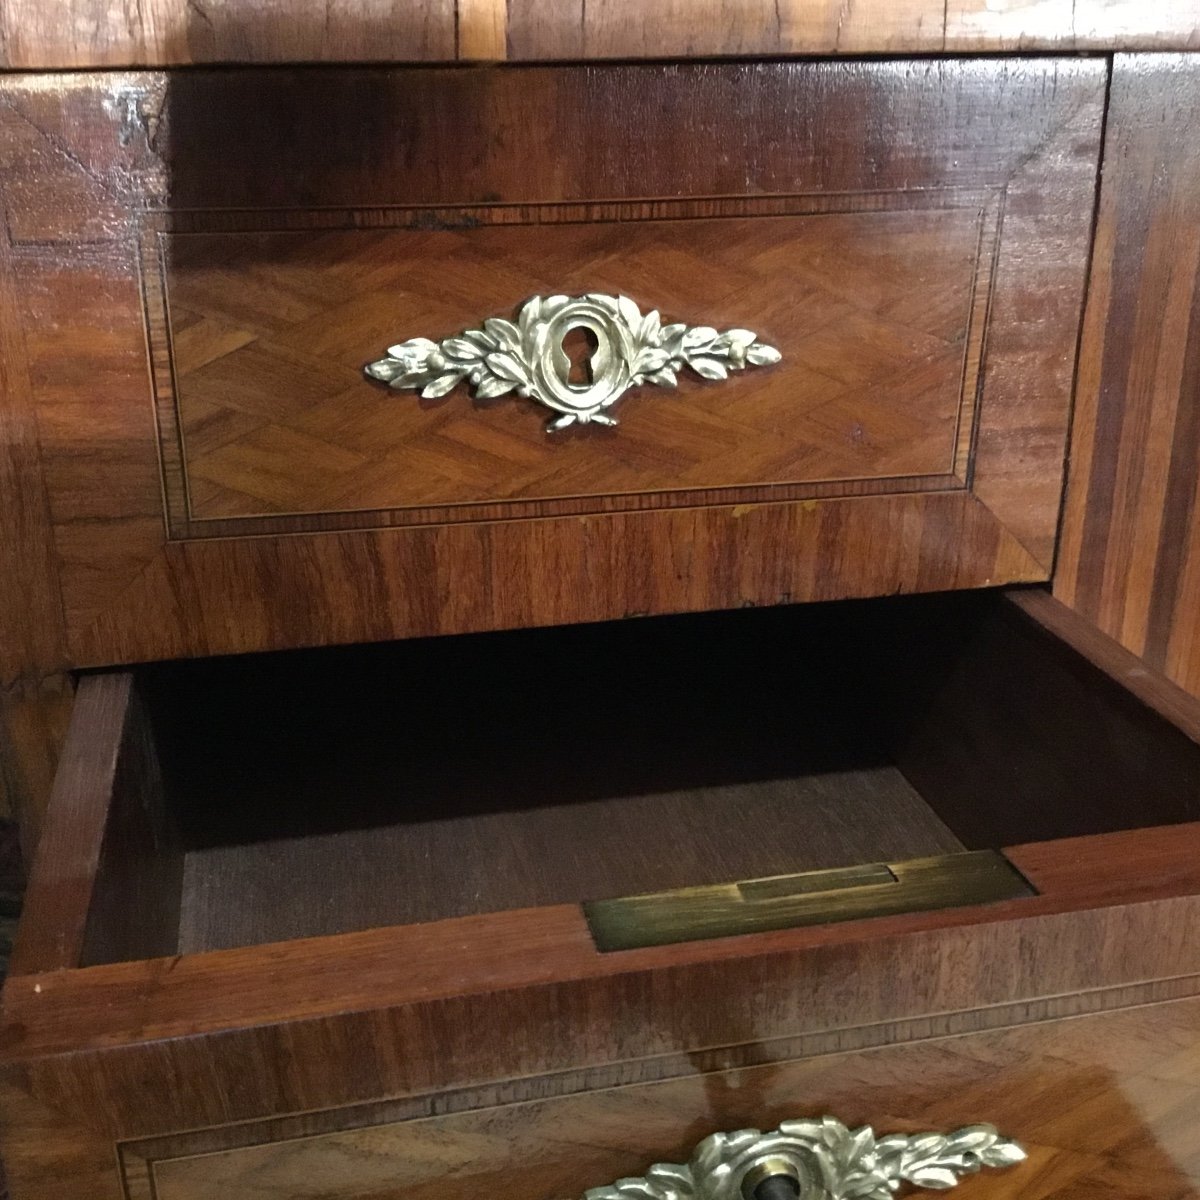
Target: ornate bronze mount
x,y
527,356
818,1160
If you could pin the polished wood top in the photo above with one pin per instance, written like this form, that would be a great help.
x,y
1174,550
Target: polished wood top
x,y
43,34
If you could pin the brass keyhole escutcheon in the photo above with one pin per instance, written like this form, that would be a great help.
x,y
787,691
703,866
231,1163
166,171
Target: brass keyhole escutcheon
x,y
579,344
576,355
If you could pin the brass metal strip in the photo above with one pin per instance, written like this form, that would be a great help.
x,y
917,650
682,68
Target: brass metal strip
x,y
807,898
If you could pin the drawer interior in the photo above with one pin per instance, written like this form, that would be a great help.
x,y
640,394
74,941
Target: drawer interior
x,y
320,792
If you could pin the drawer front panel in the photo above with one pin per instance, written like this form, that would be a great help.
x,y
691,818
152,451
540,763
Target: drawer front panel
x,y
878,313
911,236
1103,1105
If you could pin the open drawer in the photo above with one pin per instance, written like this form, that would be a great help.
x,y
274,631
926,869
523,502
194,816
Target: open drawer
x,y
329,879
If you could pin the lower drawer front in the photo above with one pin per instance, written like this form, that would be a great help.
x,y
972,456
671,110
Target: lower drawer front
x,y
1104,1106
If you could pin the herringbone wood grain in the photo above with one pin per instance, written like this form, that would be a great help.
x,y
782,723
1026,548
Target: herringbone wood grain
x,y
871,311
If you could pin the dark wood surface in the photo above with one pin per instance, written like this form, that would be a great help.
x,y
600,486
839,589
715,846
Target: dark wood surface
x,y
1152,689
33,722
1130,556
134,909
63,874
106,881
86,164
31,622
1019,732
85,33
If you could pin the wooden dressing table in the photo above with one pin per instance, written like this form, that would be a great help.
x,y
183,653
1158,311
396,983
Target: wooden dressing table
x,y
366,369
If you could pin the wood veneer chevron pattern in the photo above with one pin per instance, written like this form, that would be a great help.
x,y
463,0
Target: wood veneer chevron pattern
x,y
879,312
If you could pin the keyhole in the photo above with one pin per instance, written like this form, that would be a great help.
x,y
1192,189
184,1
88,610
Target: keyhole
x,y
777,1187
579,344
772,1179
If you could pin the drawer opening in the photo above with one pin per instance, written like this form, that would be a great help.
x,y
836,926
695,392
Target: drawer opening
x,y
321,792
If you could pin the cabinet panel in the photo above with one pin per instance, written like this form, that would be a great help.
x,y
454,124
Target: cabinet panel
x,y
1130,558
